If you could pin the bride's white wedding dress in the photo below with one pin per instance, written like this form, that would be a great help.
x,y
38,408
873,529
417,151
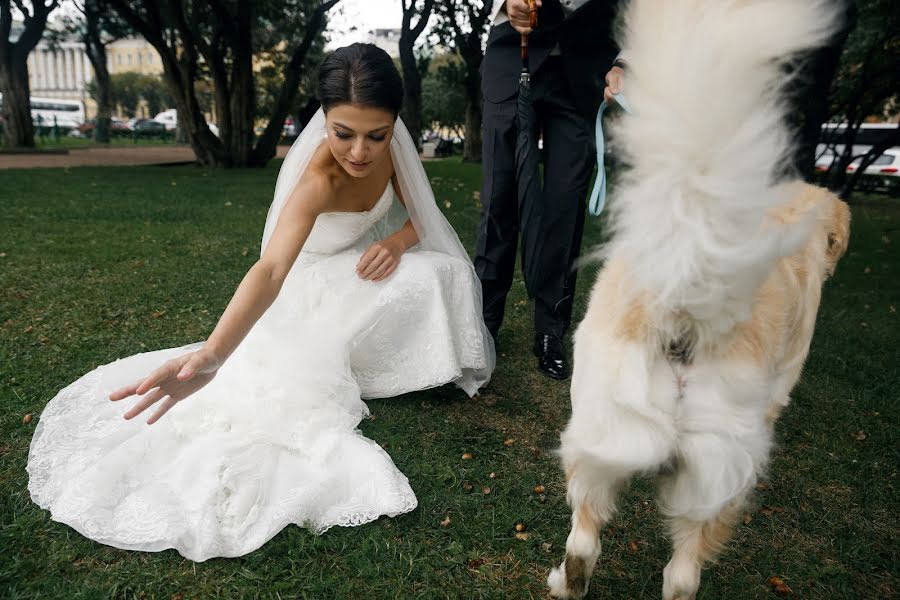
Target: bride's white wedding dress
x,y
272,440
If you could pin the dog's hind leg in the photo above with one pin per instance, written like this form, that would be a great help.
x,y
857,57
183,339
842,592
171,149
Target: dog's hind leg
x,y
695,544
592,496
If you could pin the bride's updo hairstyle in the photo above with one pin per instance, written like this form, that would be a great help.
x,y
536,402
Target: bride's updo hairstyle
x,y
360,74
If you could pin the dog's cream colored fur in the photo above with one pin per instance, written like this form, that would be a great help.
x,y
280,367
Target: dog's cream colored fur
x,y
702,316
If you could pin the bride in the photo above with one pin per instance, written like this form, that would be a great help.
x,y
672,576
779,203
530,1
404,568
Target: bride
x,y
362,290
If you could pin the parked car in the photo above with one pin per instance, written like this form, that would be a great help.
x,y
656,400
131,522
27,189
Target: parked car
x,y
86,129
134,122
150,128
882,175
169,118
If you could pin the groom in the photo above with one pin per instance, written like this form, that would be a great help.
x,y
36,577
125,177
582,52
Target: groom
x,y
570,51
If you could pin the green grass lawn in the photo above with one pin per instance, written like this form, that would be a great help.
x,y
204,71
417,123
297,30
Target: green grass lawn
x,y
100,263
76,143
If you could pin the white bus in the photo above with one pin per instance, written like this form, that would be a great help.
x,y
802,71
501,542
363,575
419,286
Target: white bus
x,y
68,114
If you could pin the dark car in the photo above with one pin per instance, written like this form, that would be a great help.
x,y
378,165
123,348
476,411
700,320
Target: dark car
x,y
150,128
116,127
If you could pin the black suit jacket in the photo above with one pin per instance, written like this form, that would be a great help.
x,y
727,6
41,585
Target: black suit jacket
x,y
585,43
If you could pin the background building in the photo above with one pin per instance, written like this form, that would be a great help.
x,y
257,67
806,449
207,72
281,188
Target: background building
x,y
386,39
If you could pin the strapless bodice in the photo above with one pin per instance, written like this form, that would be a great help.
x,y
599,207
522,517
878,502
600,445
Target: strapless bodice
x,y
335,232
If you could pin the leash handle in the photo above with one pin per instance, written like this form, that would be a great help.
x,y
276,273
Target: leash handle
x,y
598,194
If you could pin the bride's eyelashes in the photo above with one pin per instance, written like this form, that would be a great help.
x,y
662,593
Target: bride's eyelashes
x,y
346,136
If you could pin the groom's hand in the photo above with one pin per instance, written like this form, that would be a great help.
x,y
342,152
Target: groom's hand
x,y
615,83
517,11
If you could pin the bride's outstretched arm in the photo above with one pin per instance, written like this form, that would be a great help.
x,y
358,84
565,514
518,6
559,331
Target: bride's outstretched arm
x,y
382,257
180,377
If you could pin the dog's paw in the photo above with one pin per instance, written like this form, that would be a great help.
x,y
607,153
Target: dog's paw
x,y
681,580
568,580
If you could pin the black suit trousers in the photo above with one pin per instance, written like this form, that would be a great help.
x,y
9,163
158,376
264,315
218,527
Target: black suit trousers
x,y
568,158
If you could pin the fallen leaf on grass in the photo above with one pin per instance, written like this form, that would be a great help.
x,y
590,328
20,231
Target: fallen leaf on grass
x,y
446,521
747,519
492,475
467,487
476,562
859,436
509,442
522,536
158,313
782,589
779,585
633,546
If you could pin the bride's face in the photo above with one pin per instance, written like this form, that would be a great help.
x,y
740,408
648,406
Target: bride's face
x,y
359,137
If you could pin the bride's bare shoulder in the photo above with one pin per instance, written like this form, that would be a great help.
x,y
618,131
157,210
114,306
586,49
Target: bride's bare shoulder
x,y
317,184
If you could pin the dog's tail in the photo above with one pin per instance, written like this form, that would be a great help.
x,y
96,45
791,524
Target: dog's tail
x,y
706,145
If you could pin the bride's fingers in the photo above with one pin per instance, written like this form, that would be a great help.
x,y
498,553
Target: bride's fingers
x,y
391,268
163,408
157,377
125,392
375,264
145,403
378,273
367,257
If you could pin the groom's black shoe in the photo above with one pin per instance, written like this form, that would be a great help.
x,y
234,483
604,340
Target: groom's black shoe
x,y
551,355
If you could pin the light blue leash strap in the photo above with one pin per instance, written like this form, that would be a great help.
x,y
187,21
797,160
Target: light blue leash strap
x,y
598,194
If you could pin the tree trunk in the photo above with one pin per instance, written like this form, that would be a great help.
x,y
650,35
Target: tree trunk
x,y
176,31
411,113
811,97
96,52
18,131
412,91
243,95
267,143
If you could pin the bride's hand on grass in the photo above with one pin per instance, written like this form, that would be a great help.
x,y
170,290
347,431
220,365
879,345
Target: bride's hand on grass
x,y
379,261
174,381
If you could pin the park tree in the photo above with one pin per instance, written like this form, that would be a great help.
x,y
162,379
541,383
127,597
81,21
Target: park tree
x,y
411,67
219,38
443,100
154,93
96,25
18,129
461,27
867,84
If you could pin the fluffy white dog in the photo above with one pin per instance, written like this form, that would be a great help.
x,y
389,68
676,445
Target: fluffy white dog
x,y
701,319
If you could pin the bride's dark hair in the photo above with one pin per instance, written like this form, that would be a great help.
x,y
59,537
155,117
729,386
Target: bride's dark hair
x,y
360,74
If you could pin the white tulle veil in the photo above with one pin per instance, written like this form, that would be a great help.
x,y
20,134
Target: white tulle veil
x,y
434,232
